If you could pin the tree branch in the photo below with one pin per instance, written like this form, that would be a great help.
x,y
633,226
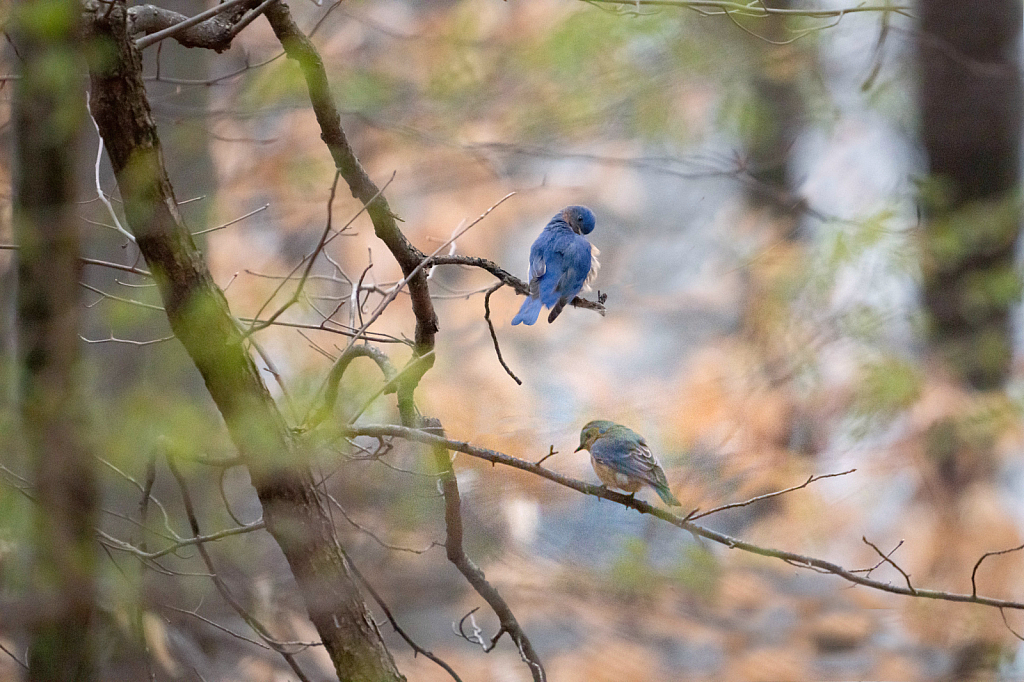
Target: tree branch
x,y
681,522
507,278
754,9
473,574
301,49
213,29
199,316
414,268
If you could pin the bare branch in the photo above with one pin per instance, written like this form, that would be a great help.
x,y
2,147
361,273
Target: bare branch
x,y
869,571
754,9
220,627
99,188
1013,632
801,561
693,516
886,559
401,633
420,267
974,572
13,657
184,542
325,238
473,574
209,28
239,219
301,49
329,390
369,533
222,587
494,335
508,278
551,453
129,342
415,364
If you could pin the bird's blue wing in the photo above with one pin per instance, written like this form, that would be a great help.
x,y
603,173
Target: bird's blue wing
x,y
627,456
575,267
567,259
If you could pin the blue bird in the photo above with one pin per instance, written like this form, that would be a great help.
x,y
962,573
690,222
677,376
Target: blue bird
x,y
562,263
622,459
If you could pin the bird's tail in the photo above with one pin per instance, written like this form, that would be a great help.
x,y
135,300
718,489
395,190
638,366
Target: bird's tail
x,y
666,496
528,312
556,309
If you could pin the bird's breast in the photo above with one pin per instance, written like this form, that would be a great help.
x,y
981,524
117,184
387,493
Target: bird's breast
x,y
615,479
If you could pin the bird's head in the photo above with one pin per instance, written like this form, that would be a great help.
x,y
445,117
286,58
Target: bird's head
x,y
580,218
592,431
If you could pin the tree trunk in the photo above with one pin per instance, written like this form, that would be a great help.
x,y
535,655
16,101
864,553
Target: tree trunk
x,y
971,107
199,316
48,113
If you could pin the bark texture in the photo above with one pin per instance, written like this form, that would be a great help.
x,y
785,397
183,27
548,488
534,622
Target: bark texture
x,y
199,315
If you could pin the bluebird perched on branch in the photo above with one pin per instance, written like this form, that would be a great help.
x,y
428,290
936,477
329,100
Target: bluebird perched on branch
x,y
622,459
562,263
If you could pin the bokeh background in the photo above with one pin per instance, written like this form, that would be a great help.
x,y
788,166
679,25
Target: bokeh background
x,y
757,218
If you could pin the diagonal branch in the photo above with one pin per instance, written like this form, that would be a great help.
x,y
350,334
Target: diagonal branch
x,y
494,335
301,49
199,316
799,560
886,558
693,516
222,587
473,574
414,268
397,628
214,28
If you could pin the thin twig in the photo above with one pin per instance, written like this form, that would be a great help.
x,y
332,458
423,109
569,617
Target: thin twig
x,y
906,576
767,496
494,335
425,263
391,385
220,627
325,238
128,342
869,571
802,561
417,649
197,540
551,453
374,536
974,573
754,10
222,587
1007,624
239,219
99,188
13,657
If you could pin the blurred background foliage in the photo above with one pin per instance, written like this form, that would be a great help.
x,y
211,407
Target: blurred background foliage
x,y
758,230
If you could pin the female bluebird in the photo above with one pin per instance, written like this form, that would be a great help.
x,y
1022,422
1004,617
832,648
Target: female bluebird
x,y
622,459
562,263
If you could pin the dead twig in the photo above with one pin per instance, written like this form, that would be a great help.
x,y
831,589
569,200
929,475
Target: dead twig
x,y
974,572
494,336
693,516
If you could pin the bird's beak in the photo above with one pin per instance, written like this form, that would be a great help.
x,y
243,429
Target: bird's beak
x,y
582,447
